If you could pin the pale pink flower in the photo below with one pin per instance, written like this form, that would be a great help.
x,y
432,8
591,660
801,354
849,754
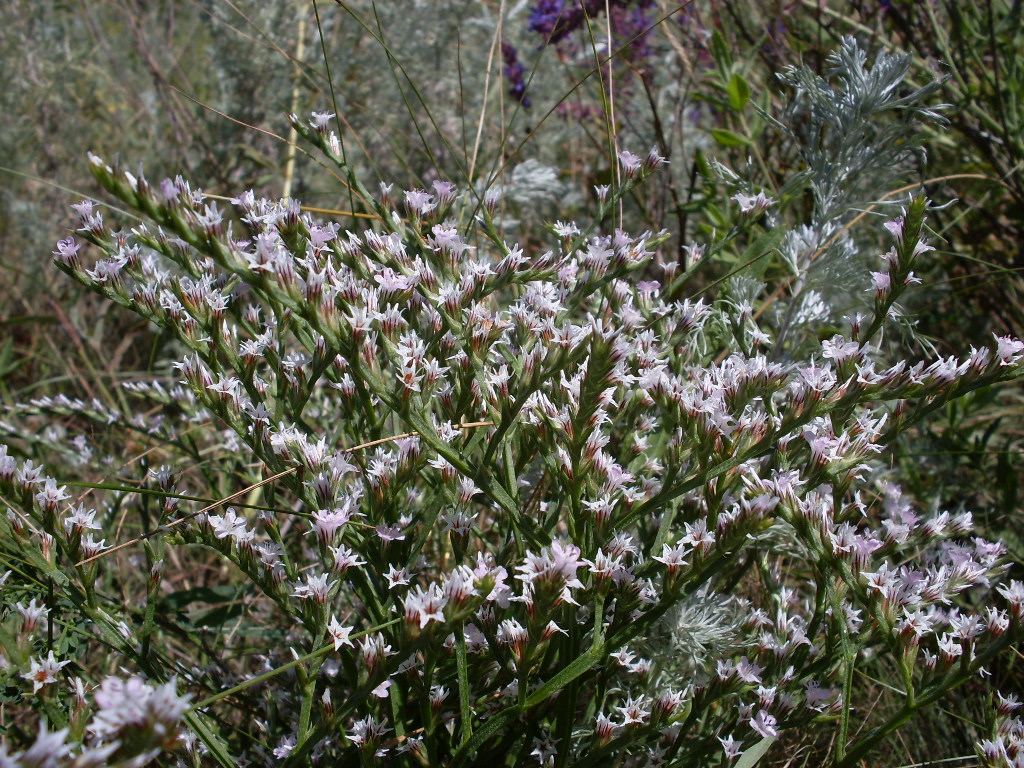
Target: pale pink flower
x,y
44,671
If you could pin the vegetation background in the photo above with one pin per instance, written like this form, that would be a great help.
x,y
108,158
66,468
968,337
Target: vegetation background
x,y
482,93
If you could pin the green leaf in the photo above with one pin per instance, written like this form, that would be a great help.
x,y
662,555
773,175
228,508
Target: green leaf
x,y
720,51
729,139
577,667
753,756
739,92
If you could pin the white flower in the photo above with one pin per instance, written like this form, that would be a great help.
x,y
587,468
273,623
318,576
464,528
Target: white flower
x,y
287,743
327,522
545,749
630,163
419,202
565,229
32,616
51,496
633,712
397,577
317,588
367,731
672,557
764,724
320,120
756,204
339,634
1008,349
44,671
231,524
425,605
731,747
345,558
881,282
48,751
132,702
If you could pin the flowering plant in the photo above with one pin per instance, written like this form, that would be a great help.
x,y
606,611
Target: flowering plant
x,y
479,503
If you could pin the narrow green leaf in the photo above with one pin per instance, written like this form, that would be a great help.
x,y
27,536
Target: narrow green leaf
x,y
210,737
753,756
468,749
739,92
720,51
579,666
726,138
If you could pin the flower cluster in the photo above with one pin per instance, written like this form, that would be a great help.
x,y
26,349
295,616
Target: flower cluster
x,y
133,723
555,20
481,490
515,72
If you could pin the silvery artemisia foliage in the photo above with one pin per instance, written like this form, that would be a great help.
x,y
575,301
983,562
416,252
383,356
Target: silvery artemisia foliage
x,y
856,130
565,465
851,153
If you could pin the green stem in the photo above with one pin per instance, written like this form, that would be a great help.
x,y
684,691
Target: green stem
x,y
849,657
466,727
